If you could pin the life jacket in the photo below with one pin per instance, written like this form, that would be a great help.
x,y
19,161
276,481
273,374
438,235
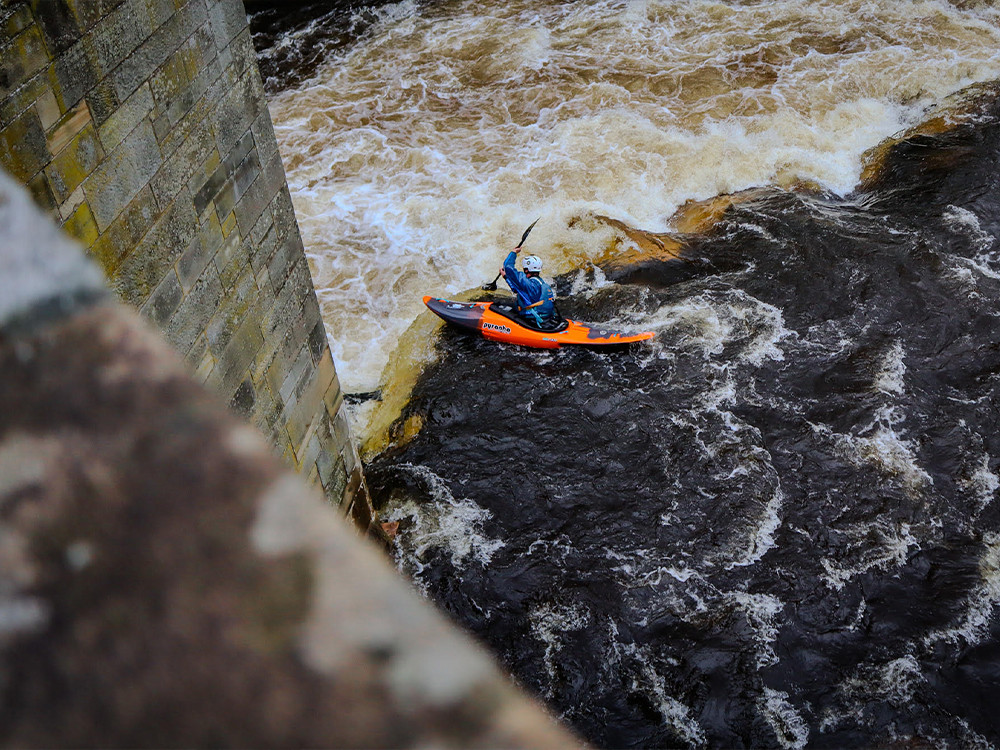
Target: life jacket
x,y
535,310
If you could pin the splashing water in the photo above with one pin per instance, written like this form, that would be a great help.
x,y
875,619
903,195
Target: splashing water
x,y
417,154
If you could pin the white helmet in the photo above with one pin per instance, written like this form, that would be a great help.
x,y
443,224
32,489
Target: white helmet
x,y
532,264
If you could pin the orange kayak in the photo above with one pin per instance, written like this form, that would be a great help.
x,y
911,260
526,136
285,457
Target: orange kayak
x,y
499,321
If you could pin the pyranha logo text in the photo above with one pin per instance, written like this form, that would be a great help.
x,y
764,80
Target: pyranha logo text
x,y
495,327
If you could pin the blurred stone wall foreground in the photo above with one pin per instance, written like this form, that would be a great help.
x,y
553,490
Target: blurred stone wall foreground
x,y
165,581
141,127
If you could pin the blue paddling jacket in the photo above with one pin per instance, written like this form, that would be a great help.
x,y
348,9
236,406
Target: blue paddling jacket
x,y
534,296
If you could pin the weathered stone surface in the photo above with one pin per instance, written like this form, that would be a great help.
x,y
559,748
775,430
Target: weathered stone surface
x,y
164,299
264,138
185,161
245,174
89,12
103,101
326,460
156,47
71,204
243,400
125,171
207,191
284,212
309,407
242,53
23,150
145,266
317,340
286,254
25,97
81,226
332,473
296,378
227,19
229,225
294,339
160,11
47,108
14,19
242,303
236,266
67,127
199,252
260,194
58,23
124,119
266,408
235,113
20,58
180,76
177,131
194,312
121,33
125,231
334,397
74,74
264,225
42,192
74,163
232,365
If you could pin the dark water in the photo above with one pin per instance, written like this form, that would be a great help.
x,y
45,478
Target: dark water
x,y
777,526
293,38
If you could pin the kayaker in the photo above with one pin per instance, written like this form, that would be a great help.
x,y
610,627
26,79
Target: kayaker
x,y
534,296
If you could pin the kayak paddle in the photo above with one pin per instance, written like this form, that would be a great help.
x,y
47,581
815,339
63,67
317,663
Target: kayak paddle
x,y
492,286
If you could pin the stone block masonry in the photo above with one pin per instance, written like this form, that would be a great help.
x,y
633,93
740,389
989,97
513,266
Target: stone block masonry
x,y
141,127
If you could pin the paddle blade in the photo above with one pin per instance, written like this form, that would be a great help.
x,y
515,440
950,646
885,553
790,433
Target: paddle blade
x,y
527,232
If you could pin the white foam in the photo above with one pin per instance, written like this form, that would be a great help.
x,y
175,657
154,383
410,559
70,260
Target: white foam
x,y
981,603
986,261
889,379
548,622
443,522
877,545
879,444
588,282
560,547
714,320
762,612
764,529
789,727
647,681
964,221
982,482
894,681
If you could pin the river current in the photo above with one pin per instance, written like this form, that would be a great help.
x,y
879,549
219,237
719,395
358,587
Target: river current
x,y
776,524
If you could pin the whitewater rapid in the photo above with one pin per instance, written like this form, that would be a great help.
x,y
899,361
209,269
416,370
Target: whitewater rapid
x,y
417,154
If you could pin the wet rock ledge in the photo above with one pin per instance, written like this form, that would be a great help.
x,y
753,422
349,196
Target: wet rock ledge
x,y
164,581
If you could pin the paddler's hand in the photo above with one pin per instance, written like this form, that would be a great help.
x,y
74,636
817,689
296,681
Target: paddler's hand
x,y
503,272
